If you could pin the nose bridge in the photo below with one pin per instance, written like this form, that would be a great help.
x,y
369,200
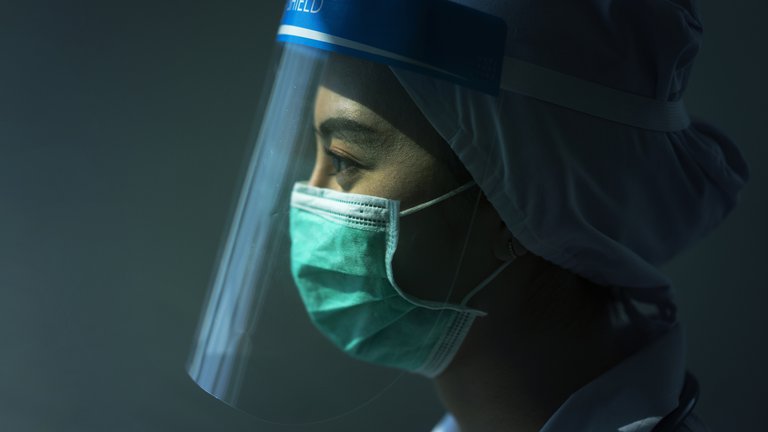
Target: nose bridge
x,y
316,179
322,180
319,177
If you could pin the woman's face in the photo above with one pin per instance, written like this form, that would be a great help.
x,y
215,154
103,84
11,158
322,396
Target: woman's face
x,y
372,139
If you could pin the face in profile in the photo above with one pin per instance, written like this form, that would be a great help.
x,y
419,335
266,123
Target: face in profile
x,y
372,139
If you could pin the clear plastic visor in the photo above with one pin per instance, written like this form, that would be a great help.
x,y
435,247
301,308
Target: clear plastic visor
x,y
344,125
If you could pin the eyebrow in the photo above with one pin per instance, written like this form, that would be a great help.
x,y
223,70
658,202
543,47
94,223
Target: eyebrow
x,y
354,132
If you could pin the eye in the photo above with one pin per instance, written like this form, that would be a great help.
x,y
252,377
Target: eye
x,y
340,163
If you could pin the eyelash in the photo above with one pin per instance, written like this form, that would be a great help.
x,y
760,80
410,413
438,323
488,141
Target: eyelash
x,y
340,164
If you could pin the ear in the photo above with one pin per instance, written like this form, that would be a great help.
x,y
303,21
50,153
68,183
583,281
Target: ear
x,y
506,247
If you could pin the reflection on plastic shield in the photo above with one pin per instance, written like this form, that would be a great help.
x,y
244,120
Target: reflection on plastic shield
x,y
256,348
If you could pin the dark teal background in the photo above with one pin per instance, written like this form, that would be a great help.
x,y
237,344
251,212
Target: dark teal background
x,y
122,131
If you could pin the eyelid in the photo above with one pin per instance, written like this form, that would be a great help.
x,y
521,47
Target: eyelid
x,y
346,158
349,153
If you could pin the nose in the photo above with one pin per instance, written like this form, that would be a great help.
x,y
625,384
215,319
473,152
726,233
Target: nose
x,y
320,177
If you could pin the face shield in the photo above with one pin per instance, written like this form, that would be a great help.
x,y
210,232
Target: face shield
x,y
350,257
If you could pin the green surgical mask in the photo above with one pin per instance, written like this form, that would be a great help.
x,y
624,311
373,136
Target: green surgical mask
x,y
342,246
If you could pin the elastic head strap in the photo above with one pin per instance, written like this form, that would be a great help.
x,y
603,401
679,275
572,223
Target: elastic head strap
x,y
592,98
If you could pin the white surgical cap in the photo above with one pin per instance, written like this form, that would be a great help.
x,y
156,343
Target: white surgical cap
x,y
604,199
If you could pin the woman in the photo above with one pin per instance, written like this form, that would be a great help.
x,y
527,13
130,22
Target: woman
x,y
491,191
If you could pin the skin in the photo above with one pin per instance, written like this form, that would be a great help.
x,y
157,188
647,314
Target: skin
x,y
542,340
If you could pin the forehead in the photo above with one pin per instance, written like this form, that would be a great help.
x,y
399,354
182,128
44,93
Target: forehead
x,y
365,91
360,79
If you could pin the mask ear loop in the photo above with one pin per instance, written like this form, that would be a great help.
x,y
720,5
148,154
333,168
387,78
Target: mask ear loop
x,y
516,250
444,306
439,199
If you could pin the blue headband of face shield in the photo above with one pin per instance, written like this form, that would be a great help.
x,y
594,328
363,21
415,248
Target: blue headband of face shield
x,y
422,36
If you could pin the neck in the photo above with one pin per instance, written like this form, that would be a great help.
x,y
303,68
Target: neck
x,y
504,379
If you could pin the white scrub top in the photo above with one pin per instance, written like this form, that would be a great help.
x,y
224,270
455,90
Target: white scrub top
x,y
631,397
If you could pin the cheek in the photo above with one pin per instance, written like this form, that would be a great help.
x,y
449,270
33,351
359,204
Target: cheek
x,y
408,174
